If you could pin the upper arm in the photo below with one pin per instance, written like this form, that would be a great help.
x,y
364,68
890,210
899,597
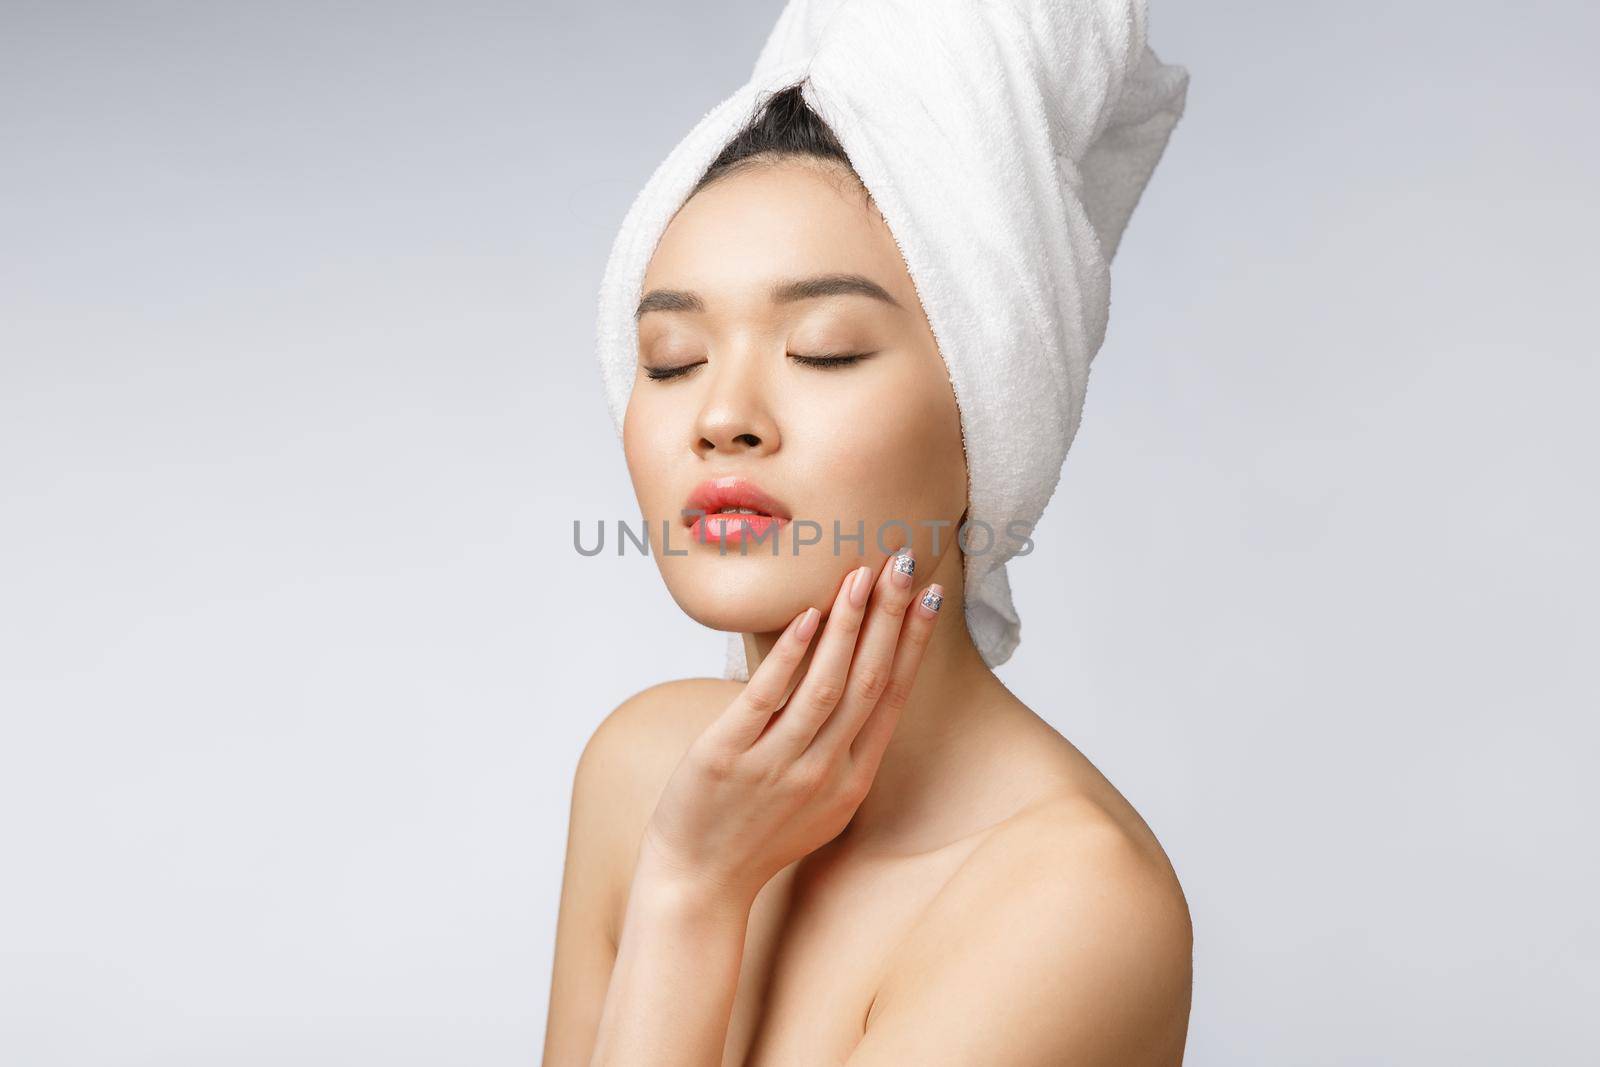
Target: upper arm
x,y
1054,950
619,776
585,947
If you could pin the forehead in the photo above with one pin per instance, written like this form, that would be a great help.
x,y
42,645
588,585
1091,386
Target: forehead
x,y
771,222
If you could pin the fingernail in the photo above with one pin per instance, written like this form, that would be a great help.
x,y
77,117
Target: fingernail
x,y
932,599
808,624
904,567
858,592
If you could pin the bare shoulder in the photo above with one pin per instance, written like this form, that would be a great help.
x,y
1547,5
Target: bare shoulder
x,y
662,713
1068,865
1066,930
1076,858
626,763
635,747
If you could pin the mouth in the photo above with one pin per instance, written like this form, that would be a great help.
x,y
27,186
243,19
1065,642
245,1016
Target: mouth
x,y
733,509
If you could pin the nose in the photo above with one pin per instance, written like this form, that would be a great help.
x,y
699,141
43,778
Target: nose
x,y
735,417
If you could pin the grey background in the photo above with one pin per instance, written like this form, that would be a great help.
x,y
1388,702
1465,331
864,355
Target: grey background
x,y
298,402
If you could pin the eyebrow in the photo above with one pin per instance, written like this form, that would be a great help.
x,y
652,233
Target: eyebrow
x,y
787,292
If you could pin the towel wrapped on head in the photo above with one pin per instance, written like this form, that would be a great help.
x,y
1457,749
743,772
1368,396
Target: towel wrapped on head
x,y
1005,143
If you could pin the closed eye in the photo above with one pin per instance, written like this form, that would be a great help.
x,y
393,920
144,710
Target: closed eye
x,y
661,374
843,360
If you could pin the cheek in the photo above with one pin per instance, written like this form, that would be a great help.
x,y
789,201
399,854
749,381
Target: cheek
x,y
894,452
644,447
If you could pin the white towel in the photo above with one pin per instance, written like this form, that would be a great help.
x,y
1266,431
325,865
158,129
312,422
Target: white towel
x,y
1005,143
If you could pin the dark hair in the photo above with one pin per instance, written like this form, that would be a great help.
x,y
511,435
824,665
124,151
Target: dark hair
x,y
784,125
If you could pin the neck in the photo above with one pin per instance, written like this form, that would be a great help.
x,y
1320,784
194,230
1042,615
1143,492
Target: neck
x,y
954,698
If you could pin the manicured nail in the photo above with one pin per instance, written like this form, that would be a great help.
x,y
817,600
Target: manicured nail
x,y
904,567
933,599
858,592
808,624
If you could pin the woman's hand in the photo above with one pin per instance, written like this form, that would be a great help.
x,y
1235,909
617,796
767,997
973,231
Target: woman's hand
x,y
769,782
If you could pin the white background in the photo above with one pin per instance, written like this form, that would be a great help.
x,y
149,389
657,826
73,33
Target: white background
x,y
298,403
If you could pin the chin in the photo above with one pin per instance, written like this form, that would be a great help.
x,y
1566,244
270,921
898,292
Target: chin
x,y
752,594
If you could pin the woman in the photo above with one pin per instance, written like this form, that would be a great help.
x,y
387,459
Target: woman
x,y
870,852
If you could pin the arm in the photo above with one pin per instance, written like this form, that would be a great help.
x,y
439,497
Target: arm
x,y
1064,945
677,969
585,942
618,778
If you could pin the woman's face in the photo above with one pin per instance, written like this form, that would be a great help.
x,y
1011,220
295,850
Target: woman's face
x,y
860,443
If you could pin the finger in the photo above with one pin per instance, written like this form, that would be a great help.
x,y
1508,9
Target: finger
x,y
870,669
866,750
769,683
823,685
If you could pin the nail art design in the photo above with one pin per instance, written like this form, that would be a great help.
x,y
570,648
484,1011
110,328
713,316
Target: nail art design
x,y
905,564
931,600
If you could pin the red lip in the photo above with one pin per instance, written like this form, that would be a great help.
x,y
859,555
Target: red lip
x,y
732,492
